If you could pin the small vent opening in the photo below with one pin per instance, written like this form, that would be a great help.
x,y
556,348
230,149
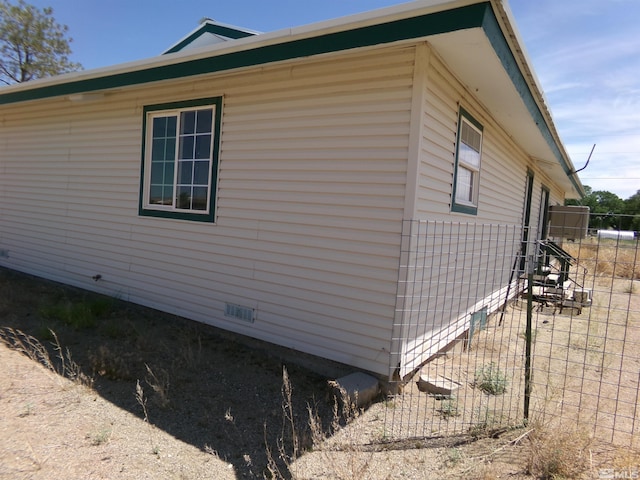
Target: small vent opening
x,y
245,314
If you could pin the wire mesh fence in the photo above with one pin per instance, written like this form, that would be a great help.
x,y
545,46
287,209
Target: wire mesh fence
x,y
586,356
456,279
494,333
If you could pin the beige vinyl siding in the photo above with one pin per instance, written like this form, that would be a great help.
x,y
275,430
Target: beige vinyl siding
x,y
437,306
501,177
309,209
52,195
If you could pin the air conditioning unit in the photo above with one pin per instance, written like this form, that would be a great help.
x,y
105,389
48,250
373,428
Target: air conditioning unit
x,y
569,222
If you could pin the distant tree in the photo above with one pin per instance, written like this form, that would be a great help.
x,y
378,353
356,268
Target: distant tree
x,y
32,44
632,210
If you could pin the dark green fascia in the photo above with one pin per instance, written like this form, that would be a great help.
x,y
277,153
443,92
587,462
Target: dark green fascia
x,y
194,217
210,28
415,27
503,51
473,16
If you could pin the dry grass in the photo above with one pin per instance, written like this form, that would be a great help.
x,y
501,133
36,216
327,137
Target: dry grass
x,y
158,380
106,363
296,439
558,454
31,347
27,345
605,258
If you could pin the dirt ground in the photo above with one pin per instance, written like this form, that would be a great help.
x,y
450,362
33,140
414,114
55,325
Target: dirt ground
x,y
124,392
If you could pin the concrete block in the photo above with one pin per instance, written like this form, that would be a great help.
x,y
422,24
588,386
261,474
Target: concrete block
x,y
582,296
438,385
361,389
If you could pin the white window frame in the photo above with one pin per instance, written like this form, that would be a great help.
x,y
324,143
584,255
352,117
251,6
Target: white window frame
x,y
174,209
469,203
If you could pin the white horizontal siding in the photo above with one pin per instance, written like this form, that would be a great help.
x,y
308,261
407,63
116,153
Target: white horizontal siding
x,y
309,204
471,263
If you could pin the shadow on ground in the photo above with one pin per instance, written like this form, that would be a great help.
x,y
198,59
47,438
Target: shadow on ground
x,y
202,385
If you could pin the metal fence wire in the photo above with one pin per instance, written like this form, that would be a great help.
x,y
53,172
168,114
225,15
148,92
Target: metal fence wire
x,y
494,332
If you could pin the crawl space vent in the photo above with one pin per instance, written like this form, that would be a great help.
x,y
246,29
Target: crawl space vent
x,y
246,314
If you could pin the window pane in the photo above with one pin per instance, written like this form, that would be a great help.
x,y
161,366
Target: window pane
x,y
464,185
162,158
172,123
158,149
468,155
157,173
188,123
159,127
167,195
185,173
164,127
470,136
205,118
186,147
168,173
199,198
155,195
160,195
203,145
201,173
170,149
183,199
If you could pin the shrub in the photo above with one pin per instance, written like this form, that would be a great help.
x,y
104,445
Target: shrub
x,y
448,408
490,379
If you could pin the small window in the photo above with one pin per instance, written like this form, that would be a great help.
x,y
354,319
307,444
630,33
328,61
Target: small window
x,y
467,168
179,161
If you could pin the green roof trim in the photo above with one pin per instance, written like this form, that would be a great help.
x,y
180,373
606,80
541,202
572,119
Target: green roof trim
x,y
479,15
405,29
213,29
503,51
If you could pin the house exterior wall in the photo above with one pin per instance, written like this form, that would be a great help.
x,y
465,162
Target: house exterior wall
x,y
427,320
309,207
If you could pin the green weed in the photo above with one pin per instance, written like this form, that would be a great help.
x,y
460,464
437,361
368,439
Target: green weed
x,y
79,315
490,379
448,408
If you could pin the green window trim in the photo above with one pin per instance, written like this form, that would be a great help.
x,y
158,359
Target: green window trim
x,y
545,195
468,163
179,165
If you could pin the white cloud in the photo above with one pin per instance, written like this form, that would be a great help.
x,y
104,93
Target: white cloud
x,y
585,54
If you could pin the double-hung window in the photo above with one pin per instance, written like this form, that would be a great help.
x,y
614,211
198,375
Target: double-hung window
x,y
467,167
179,170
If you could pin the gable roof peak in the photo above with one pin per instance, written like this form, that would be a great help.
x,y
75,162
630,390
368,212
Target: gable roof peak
x,y
209,32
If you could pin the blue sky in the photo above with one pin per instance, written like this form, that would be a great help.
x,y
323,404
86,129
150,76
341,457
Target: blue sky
x,y
586,54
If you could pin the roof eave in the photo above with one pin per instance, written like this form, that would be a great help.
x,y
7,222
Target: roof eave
x,y
507,22
415,21
287,35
